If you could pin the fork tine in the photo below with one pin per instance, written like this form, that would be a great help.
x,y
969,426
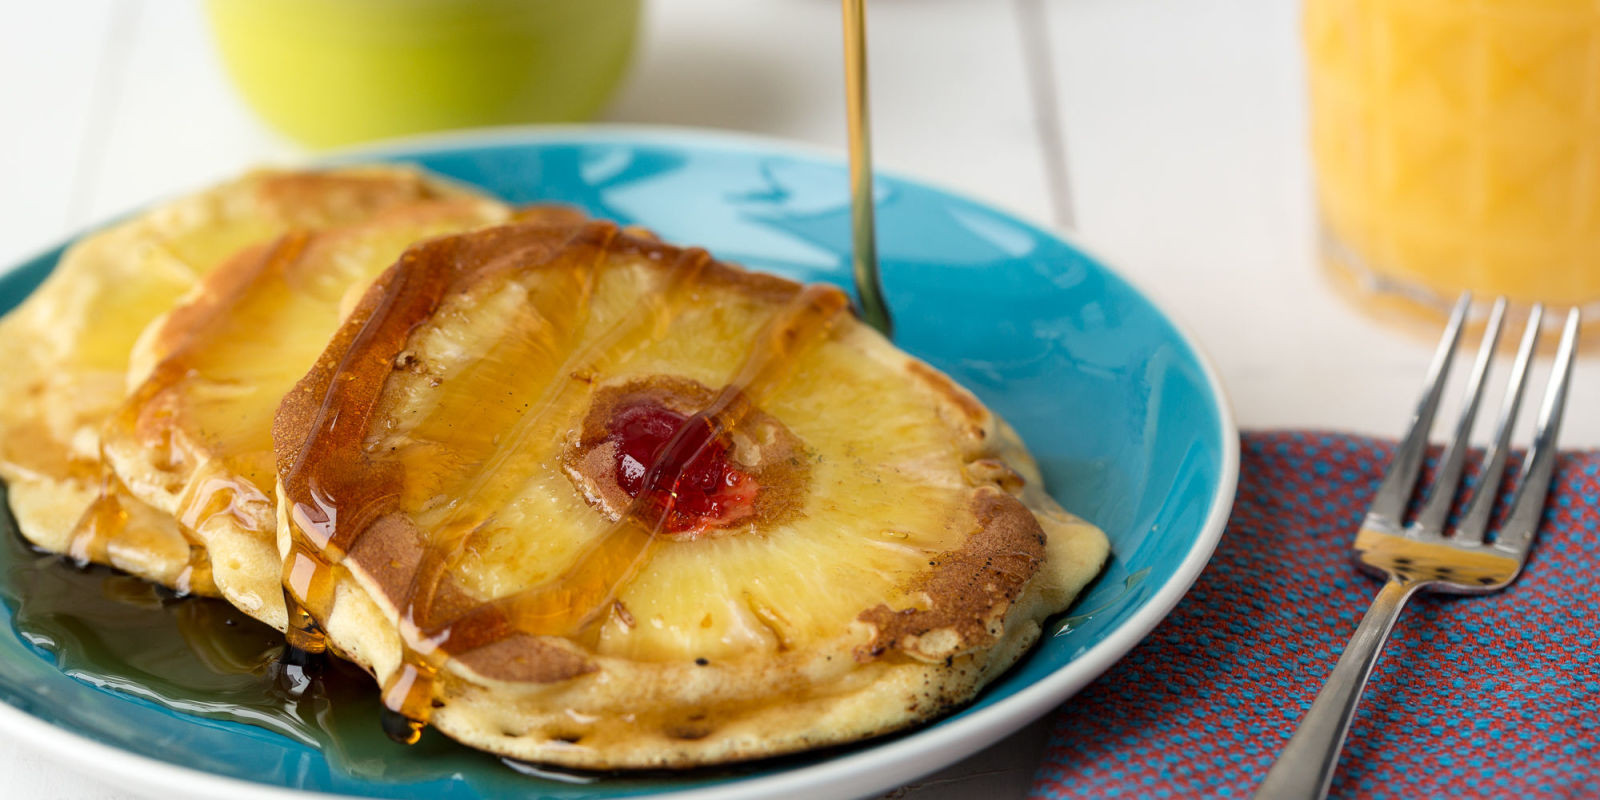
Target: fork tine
x,y
1389,504
1430,522
1476,521
1528,503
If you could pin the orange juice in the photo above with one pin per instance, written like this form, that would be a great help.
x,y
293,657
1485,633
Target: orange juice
x,y
1457,144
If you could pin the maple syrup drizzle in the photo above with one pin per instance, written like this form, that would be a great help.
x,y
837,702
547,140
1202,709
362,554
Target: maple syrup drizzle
x,y
451,532
683,274
408,693
196,573
448,535
326,529
219,496
317,546
308,581
581,595
99,524
108,518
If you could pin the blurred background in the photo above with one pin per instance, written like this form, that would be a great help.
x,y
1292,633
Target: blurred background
x,y
1183,126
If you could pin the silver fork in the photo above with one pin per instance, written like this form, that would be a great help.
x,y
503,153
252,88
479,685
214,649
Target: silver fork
x,y
1423,555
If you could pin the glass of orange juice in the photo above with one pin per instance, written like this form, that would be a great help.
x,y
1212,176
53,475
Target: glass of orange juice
x,y
1457,146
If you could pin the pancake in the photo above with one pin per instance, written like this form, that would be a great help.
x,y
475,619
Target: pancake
x,y
578,497
72,340
194,439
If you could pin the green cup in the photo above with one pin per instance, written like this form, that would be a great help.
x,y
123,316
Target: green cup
x,y
332,72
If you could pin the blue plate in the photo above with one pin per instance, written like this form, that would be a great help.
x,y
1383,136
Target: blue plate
x,y
1125,416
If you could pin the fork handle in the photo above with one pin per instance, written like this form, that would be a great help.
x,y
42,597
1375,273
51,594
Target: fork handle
x,y
1305,767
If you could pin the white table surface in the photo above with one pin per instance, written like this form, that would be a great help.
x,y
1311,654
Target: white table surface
x,y
1184,131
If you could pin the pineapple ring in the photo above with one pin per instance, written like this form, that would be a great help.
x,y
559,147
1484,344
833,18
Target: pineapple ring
x,y
72,345
443,520
193,439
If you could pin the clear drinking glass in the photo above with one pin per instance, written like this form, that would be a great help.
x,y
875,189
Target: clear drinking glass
x,y
1457,146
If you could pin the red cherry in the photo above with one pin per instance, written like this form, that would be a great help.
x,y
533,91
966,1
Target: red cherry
x,y
688,479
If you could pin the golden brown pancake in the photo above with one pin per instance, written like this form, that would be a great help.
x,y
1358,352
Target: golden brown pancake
x,y
72,341
579,497
194,439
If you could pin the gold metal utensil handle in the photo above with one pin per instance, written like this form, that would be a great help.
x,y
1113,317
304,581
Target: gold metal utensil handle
x,y
869,288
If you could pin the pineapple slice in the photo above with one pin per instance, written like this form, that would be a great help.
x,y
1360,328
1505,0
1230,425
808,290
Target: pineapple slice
x,y
193,439
578,497
72,341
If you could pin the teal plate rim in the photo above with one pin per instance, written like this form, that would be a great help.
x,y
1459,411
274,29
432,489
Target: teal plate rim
x,y
1109,620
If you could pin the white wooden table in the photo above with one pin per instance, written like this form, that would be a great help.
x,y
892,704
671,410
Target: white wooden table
x,y
1184,133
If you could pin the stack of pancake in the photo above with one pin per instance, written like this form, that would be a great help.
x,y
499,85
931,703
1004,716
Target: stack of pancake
x,y
570,494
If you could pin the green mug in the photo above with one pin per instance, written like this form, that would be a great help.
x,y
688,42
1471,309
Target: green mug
x,y
332,72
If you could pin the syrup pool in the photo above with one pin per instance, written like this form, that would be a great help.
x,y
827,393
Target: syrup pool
x,y
203,658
